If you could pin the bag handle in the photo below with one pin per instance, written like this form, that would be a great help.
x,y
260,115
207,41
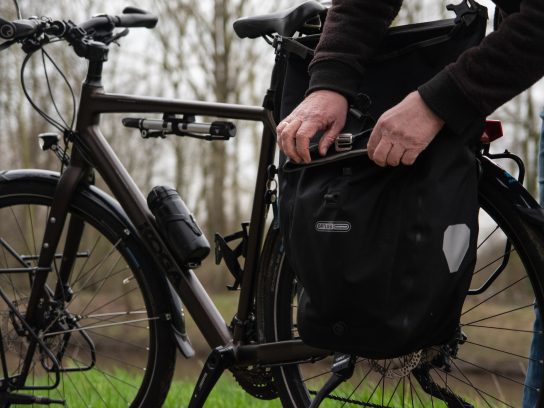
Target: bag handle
x,y
509,6
466,13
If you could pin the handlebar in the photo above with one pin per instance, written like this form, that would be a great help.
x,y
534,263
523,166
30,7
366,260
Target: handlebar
x,y
132,17
19,29
22,29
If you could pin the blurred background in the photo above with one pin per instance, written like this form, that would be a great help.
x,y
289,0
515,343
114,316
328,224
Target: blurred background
x,y
193,53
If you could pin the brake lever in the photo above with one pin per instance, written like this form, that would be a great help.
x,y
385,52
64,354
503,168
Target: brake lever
x,y
118,35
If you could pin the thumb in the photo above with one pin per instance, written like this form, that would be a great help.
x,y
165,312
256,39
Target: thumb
x,y
328,138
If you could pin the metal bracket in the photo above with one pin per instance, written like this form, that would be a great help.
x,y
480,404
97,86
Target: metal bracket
x,y
344,142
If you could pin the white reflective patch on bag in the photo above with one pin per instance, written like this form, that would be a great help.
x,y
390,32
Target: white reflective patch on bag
x,y
455,246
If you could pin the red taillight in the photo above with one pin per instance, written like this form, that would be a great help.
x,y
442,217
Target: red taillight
x,y
492,131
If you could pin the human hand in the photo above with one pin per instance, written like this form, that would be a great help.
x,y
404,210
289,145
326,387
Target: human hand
x,y
321,110
403,132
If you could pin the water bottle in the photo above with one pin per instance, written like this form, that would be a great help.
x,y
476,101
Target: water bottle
x,y
177,226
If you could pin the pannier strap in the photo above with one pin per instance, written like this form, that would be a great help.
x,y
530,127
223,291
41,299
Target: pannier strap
x,y
292,46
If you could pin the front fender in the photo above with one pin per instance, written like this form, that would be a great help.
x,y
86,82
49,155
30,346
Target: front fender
x,y
105,201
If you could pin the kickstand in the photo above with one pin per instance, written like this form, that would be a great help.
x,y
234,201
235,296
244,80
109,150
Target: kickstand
x,y
218,361
342,370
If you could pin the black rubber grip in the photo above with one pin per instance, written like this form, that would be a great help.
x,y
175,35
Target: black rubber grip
x,y
99,22
134,17
18,28
146,20
131,122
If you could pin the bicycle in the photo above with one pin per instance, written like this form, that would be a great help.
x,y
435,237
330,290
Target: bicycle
x,y
80,321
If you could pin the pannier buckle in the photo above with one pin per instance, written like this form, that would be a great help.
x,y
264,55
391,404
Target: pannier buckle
x,y
343,142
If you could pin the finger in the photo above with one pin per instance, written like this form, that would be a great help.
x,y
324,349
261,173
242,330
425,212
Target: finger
x,y
380,153
328,139
279,130
395,155
374,140
288,140
409,157
278,140
306,131
281,126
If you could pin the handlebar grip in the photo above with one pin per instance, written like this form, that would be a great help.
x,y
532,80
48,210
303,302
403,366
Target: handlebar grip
x,y
134,17
97,23
18,28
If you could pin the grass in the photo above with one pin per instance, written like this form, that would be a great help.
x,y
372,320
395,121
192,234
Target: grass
x,y
226,394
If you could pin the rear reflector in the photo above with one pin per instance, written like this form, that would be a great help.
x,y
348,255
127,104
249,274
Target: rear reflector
x,y
492,131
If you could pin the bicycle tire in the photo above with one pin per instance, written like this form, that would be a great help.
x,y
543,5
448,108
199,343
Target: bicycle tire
x,y
483,373
116,302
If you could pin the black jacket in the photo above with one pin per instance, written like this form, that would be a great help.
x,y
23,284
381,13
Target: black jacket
x,y
506,63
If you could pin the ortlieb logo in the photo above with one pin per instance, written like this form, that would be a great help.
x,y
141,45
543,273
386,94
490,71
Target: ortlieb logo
x,y
332,226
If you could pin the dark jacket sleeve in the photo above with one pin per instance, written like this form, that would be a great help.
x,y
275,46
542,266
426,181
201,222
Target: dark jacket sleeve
x,y
351,34
507,62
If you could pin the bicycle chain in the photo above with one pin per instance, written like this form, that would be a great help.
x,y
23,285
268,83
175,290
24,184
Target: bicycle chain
x,y
349,400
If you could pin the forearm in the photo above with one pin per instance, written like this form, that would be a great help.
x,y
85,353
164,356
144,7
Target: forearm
x,y
506,63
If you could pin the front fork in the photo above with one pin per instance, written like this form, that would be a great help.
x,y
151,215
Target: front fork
x,y
40,295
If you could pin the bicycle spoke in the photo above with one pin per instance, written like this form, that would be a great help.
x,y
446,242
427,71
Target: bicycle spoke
x,y
112,301
126,343
487,237
501,351
415,390
495,294
100,326
501,328
77,276
478,390
517,309
489,371
95,268
394,391
103,280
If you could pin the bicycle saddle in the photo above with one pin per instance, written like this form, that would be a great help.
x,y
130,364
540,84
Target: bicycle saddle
x,y
285,22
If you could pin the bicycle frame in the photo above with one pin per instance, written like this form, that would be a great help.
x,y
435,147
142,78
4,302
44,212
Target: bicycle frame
x,y
91,150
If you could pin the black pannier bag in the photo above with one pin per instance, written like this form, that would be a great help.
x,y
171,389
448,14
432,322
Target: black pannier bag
x,y
384,255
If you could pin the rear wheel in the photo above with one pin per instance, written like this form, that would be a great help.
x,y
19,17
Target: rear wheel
x,y
485,369
106,339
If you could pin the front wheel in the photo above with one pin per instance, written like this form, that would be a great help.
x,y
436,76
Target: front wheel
x,y
489,367
105,338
